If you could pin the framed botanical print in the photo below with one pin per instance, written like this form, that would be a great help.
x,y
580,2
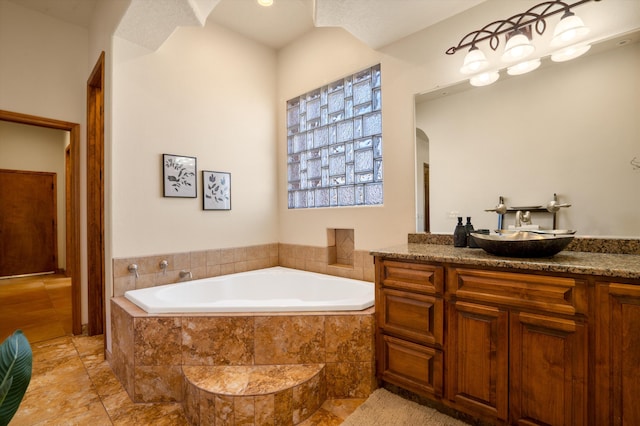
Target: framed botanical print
x,y
179,176
216,190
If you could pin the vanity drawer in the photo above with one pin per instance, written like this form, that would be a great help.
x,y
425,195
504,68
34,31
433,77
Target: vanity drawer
x,y
416,277
552,294
418,317
414,367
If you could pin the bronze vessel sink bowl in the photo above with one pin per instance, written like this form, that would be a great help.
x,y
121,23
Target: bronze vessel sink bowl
x,y
524,243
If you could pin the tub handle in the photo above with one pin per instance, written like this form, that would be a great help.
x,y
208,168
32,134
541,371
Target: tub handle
x,y
133,268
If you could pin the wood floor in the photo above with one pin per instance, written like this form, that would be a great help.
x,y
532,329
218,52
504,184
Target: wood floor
x,y
39,305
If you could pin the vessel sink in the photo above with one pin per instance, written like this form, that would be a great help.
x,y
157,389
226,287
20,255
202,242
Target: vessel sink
x,y
524,243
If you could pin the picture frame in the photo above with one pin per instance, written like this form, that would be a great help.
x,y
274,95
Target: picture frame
x,y
216,190
179,176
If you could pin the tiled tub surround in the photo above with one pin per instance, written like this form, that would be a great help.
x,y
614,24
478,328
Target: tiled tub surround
x,y
151,353
215,262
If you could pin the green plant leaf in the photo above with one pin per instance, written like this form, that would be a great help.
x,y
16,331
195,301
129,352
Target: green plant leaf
x,y
15,373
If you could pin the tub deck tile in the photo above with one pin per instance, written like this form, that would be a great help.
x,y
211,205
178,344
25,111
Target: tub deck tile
x,y
257,394
250,380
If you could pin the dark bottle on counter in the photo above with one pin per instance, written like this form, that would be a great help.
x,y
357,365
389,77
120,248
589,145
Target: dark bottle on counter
x,y
469,229
460,235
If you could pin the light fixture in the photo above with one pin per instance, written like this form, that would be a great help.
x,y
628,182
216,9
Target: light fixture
x,y
569,29
570,52
265,3
518,47
484,79
474,61
523,67
518,35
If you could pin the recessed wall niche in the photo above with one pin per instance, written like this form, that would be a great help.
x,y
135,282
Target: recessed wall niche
x,y
340,244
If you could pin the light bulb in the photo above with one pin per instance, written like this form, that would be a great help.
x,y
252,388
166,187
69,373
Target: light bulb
x,y
474,61
523,67
265,3
570,52
518,47
569,29
484,79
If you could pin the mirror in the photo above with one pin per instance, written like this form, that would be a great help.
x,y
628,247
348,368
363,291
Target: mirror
x,y
567,128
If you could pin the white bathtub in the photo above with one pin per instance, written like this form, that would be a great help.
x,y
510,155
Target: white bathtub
x,y
274,289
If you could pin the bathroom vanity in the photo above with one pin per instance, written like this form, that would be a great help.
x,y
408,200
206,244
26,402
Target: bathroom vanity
x,y
551,341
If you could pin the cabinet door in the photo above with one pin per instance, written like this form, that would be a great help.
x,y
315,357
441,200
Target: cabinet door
x,y
411,366
548,361
415,277
617,349
415,316
477,354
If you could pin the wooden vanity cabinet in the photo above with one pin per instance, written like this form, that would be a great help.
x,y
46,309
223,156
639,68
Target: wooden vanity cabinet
x,y
510,346
409,316
617,353
517,347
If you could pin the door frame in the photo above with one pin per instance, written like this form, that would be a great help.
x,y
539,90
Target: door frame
x,y
73,215
95,199
427,220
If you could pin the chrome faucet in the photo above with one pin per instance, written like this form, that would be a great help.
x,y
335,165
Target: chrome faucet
x,y
133,268
184,273
523,218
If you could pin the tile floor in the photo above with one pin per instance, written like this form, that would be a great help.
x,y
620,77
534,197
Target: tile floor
x,y
71,383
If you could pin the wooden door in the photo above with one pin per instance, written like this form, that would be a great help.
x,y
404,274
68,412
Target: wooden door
x,y
477,371
28,241
548,363
617,344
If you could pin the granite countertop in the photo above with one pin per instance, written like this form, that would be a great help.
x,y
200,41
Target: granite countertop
x,y
575,262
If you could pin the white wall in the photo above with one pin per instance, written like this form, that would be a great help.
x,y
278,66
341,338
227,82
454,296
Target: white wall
x,y
319,58
43,66
43,72
206,93
417,64
38,149
570,129
221,98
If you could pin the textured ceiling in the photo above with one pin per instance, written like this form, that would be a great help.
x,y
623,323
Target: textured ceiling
x,y
375,22
381,22
150,22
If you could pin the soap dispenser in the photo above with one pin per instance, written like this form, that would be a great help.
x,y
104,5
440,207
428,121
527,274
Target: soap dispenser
x,y
460,235
469,229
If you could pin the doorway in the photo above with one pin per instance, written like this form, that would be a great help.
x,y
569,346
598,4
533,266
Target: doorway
x,y
73,214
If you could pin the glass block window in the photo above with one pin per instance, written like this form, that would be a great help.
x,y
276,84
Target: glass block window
x,y
334,143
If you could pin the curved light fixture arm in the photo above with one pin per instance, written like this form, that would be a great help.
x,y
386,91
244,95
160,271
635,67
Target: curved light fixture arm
x,y
521,20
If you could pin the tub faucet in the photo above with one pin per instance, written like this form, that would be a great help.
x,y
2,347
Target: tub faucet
x,y
184,273
133,268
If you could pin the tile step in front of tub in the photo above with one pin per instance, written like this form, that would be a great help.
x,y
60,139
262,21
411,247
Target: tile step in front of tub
x,y
255,394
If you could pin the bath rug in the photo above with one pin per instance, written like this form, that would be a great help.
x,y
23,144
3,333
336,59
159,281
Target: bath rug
x,y
384,408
